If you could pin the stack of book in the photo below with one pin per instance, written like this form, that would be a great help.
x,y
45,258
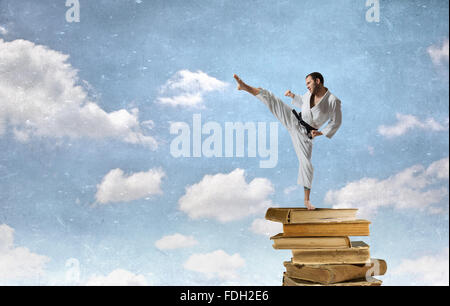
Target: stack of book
x,y
322,253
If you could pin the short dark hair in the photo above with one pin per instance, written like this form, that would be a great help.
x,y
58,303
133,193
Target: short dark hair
x,y
315,76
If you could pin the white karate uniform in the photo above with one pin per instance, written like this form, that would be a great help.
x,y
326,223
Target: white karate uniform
x,y
328,109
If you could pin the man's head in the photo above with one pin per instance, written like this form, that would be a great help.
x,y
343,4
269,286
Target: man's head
x,y
314,81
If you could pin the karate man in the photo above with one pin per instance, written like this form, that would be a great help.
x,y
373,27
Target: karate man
x,y
318,106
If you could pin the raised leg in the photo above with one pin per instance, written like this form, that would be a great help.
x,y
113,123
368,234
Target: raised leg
x,y
284,114
276,106
242,86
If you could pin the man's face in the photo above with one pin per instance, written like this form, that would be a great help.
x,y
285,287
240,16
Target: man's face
x,y
311,85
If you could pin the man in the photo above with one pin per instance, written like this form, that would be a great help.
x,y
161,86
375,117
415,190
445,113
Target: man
x,y
318,106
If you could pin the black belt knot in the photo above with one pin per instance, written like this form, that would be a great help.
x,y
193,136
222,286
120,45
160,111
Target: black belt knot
x,y
306,125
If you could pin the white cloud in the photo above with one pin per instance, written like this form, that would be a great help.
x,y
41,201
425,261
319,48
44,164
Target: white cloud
x,y
118,187
149,124
290,189
404,190
217,264
17,263
439,54
118,277
266,227
439,169
3,30
175,241
226,197
409,122
431,270
188,88
40,96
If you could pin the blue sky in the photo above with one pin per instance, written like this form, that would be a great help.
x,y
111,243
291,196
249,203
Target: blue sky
x,y
87,179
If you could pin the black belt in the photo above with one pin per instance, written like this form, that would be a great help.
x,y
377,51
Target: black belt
x,y
306,125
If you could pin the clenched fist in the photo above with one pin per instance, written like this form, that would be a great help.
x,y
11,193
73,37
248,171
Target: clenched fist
x,y
288,93
315,133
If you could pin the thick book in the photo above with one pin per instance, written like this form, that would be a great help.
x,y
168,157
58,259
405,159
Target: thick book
x,y
282,242
303,215
371,281
357,254
330,274
337,228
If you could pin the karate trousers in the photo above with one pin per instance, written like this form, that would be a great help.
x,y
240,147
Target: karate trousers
x,y
299,135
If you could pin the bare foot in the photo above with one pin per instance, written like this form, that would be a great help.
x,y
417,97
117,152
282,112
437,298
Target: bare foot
x,y
241,85
309,205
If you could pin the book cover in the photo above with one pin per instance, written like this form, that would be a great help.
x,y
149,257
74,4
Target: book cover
x,y
288,242
358,254
344,228
332,273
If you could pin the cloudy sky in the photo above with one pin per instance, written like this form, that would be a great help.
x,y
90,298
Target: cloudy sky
x,y
106,178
